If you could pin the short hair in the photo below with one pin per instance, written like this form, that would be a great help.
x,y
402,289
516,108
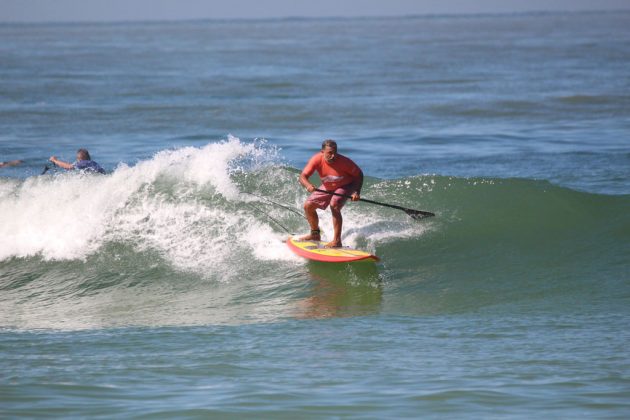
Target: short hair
x,y
83,154
329,143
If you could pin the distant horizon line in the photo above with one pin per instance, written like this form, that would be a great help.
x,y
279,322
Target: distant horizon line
x,y
313,18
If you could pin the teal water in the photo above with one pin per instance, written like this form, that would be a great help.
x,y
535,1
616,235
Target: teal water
x,y
164,289
375,366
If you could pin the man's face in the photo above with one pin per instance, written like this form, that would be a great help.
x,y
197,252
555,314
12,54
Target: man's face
x,y
329,153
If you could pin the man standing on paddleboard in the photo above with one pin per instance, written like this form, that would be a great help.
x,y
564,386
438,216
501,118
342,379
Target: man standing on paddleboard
x,y
339,175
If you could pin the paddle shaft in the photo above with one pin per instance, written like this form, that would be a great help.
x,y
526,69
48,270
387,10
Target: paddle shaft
x,y
410,212
47,168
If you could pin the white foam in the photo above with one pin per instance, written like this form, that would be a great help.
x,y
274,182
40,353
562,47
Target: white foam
x,y
365,224
154,204
58,218
267,244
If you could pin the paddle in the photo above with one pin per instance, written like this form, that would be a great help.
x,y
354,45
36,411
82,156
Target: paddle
x,y
47,168
416,214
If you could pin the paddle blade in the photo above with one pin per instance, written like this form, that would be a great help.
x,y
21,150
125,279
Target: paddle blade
x,y
419,214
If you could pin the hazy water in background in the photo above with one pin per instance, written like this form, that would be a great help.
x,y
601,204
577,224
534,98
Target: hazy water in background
x,y
540,96
164,289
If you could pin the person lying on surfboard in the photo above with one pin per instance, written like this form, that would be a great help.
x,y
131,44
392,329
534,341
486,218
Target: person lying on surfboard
x,y
339,175
10,163
84,162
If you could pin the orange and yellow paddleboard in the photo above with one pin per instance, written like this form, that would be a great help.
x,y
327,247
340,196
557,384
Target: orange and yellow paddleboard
x,y
316,251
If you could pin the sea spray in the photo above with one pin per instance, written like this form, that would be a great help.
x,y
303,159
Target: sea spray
x,y
70,215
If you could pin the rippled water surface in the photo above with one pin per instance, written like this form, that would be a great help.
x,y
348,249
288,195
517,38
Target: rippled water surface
x,y
164,288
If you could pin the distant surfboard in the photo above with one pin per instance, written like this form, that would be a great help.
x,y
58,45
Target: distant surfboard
x,y
316,251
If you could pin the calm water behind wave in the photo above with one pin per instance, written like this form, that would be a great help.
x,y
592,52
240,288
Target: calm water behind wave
x,y
491,90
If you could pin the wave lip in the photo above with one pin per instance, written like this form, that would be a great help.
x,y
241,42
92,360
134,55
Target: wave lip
x,y
70,215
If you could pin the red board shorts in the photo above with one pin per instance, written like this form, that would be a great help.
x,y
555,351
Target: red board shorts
x,y
323,200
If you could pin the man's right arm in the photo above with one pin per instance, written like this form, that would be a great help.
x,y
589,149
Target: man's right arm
x,y
306,183
61,163
308,170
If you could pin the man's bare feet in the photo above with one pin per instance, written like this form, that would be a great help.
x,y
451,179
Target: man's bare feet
x,y
315,235
333,244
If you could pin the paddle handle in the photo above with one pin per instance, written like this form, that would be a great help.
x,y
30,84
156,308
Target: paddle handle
x,y
339,195
360,199
393,206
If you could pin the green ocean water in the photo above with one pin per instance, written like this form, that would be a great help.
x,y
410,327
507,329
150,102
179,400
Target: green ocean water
x,y
164,288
